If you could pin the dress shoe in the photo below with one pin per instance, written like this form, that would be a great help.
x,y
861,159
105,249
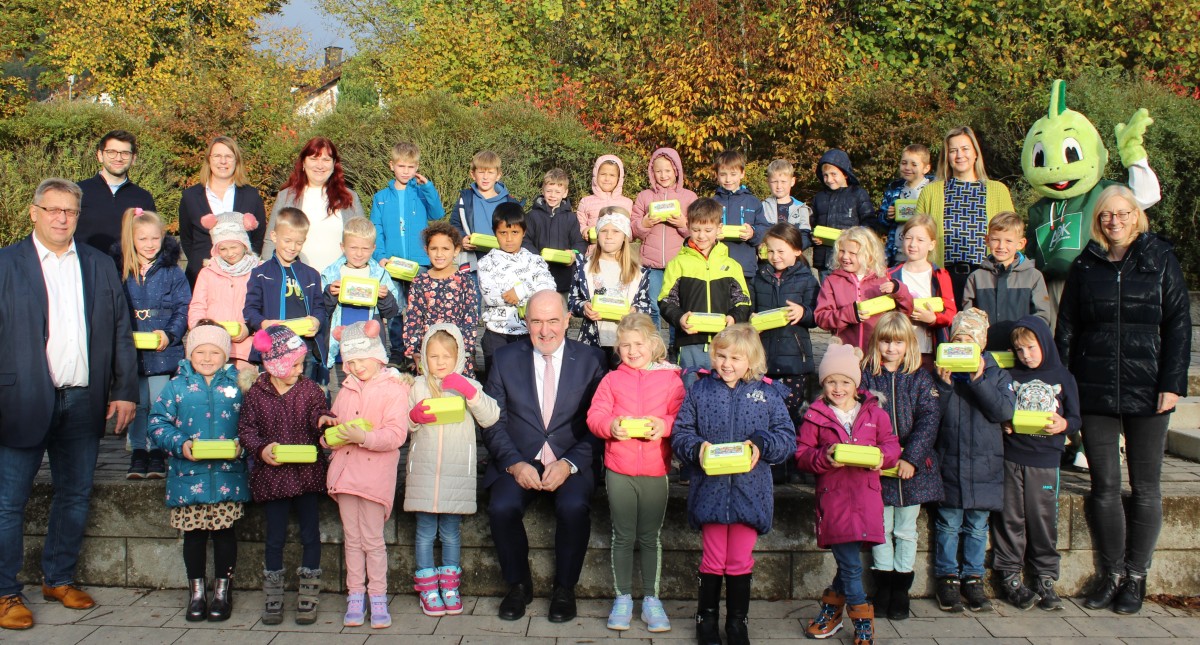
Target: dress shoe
x,y
14,614
562,605
518,596
70,596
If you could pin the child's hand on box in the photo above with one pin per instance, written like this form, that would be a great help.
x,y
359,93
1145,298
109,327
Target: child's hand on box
x,y
187,450
946,375
754,453
352,433
162,340
795,312
335,287
684,324
923,315
618,432
891,212
1057,424
268,454
657,428
243,332
905,470
590,313
704,451
729,321
419,414
455,382
326,420
316,325
1008,428
383,262
817,241
747,232
829,456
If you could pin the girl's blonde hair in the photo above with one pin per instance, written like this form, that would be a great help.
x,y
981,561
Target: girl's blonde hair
x,y
893,326
131,264
921,220
640,323
444,337
743,339
870,251
1141,223
631,267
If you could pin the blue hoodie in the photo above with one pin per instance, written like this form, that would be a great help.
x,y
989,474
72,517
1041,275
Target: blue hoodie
x,y
399,217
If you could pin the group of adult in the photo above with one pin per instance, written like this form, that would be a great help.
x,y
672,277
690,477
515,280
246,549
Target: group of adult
x,y
1124,327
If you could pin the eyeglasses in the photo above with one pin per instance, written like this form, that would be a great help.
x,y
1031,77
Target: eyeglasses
x,y
1124,216
71,213
118,154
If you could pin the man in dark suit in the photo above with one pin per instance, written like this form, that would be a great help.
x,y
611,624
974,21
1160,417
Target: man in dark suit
x,y
110,192
541,446
66,364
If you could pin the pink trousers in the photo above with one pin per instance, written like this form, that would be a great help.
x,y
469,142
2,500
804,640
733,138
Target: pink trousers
x,y
728,549
366,554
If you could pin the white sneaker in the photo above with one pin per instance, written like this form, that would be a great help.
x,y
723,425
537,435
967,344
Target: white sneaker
x,y
1081,461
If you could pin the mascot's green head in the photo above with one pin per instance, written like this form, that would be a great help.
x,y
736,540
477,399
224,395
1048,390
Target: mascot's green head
x,y
1063,156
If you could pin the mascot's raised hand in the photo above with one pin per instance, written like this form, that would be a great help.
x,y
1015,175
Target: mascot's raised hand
x,y
1130,135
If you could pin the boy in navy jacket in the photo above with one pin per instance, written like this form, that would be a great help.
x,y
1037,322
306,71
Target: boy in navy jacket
x,y
742,210
551,224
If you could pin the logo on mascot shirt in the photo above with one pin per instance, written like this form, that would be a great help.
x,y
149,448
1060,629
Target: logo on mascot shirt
x,y
1066,233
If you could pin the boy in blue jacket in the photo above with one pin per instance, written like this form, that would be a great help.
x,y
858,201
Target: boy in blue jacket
x,y
477,203
741,210
403,208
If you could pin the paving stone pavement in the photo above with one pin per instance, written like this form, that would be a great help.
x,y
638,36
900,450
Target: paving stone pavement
x,y
146,616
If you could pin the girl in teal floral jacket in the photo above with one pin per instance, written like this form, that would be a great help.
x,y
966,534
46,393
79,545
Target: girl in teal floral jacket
x,y
205,496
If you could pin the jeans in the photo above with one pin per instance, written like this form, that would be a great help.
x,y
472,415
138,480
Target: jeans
x,y
656,283
972,526
430,526
899,549
73,443
148,390
1126,542
694,357
848,580
309,519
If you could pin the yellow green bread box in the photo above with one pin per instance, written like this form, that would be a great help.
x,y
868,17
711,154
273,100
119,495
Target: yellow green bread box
x,y
447,409
145,340
732,232
302,326
359,292
214,449
1030,422
234,327
852,455
894,471
664,210
1006,360
727,459
936,305
958,357
636,428
483,241
826,234
876,306
558,256
609,306
706,323
591,235
906,209
769,319
331,433
402,269
303,453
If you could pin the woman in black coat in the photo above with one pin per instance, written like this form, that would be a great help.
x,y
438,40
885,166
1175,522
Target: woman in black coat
x,y
222,189
1124,328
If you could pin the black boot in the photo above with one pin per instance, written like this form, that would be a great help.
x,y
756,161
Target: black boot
x,y
901,584
197,600
884,581
708,610
1133,592
139,462
737,609
1105,592
222,602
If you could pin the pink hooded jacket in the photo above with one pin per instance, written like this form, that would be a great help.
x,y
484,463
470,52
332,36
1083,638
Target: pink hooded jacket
x,y
369,471
661,241
221,297
627,392
836,310
589,207
849,500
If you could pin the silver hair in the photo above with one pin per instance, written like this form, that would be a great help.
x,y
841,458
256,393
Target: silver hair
x,y
58,185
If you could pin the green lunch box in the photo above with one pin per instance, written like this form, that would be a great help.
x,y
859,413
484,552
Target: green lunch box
x,y
1006,360
296,453
558,256
447,409
727,458
932,304
610,307
402,269
331,433
703,323
769,319
826,234
214,449
636,428
1030,422
145,340
483,241
664,210
876,305
852,455
958,357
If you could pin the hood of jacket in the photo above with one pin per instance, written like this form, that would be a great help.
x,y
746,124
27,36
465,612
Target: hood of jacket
x,y
461,360
500,196
671,156
168,255
867,399
1052,369
1020,263
840,160
620,188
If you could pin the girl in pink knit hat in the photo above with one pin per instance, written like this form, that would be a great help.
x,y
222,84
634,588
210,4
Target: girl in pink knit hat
x,y
220,292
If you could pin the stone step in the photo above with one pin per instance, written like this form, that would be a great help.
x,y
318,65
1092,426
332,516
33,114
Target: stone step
x,y
1187,414
1184,442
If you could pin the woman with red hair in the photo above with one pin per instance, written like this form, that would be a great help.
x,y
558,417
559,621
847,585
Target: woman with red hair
x,y
317,186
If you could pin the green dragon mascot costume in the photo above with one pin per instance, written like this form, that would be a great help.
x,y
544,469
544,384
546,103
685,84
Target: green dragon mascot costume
x,y
1064,160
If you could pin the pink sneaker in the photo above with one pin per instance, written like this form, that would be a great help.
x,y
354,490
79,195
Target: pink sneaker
x,y
448,580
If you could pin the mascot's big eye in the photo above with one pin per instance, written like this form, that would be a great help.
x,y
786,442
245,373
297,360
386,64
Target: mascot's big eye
x,y
1039,155
1072,151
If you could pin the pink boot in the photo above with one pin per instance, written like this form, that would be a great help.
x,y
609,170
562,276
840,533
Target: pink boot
x,y
426,585
448,579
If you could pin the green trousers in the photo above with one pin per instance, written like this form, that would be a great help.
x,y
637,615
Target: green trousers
x,y
637,506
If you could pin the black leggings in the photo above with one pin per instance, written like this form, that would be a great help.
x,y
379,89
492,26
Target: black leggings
x,y
195,552
309,519
1125,548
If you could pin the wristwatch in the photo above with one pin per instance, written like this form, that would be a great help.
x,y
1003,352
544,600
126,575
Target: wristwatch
x,y
574,468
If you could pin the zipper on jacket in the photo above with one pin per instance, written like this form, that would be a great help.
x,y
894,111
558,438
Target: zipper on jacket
x,y
1118,339
437,471
896,431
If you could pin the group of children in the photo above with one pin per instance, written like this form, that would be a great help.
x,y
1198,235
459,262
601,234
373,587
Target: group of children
x,y
731,255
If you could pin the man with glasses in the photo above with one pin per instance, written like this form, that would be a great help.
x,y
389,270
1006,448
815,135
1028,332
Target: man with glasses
x,y
69,364
110,192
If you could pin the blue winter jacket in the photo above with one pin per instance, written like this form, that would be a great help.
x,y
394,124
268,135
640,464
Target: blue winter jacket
x,y
160,301
742,207
911,402
789,349
970,441
190,408
264,299
717,413
399,217
387,307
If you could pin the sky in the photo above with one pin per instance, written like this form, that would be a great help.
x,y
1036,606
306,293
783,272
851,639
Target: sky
x,y
321,29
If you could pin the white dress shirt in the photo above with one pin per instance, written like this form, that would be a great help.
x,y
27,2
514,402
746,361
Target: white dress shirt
x,y
66,347
539,370
220,203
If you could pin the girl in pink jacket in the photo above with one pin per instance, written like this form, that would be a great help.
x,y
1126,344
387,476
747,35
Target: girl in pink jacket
x,y
861,276
220,291
642,388
362,468
849,503
661,238
608,185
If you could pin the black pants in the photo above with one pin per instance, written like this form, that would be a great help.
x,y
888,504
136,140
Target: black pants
x,y
1125,543
195,552
493,341
309,519
959,271
1028,526
572,509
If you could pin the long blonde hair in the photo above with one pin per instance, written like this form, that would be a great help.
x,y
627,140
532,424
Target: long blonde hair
x,y
893,326
640,323
631,266
944,171
131,264
870,251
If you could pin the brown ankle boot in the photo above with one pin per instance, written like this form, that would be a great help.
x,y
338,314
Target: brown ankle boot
x,y
863,617
829,617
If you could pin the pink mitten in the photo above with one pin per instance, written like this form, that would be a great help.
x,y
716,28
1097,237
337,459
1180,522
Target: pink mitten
x,y
419,414
459,383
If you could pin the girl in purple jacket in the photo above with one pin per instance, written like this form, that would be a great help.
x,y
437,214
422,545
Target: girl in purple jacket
x,y
848,501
